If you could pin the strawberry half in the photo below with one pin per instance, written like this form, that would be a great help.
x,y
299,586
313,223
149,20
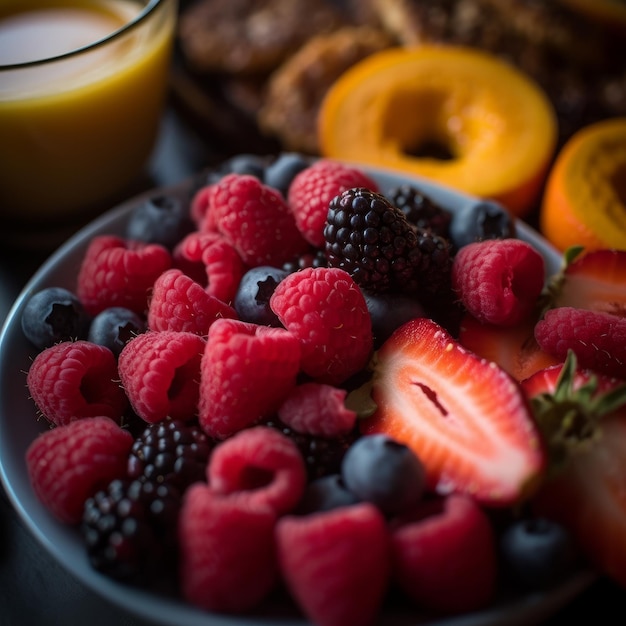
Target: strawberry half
x,y
583,417
594,280
465,417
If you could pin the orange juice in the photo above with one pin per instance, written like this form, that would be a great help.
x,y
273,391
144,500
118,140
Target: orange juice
x,y
77,128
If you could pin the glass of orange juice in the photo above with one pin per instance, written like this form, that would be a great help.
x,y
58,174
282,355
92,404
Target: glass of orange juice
x,y
82,89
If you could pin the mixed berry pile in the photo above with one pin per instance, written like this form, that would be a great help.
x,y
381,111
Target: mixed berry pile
x,y
269,388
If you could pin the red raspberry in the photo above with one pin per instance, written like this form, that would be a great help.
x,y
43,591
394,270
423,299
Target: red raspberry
x,y
76,379
211,261
597,339
498,280
180,304
227,551
437,534
70,463
247,370
326,310
199,210
317,409
256,220
336,563
118,272
312,190
160,373
261,463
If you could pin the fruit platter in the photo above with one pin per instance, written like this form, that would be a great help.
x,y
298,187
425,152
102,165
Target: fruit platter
x,y
294,390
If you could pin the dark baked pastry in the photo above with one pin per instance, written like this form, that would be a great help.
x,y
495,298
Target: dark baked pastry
x,y
250,36
296,89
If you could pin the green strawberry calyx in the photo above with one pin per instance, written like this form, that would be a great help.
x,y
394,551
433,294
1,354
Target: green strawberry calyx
x,y
570,416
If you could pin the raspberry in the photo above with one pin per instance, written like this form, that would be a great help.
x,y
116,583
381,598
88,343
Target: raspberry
x,y
336,563
322,455
438,533
261,463
256,220
499,280
312,190
76,379
317,409
326,311
68,464
199,209
420,210
597,339
129,530
173,452
372,240
160,373
211,261
53,315
180,304
119,272
227,551
246,372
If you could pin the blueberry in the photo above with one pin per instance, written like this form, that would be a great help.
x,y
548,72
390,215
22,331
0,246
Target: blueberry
x,y
163,219
480,220
325,494
389,311
53,315
115,327
537,553
284,169
385,472
253,295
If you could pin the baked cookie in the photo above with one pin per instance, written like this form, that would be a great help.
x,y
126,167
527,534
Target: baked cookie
x,y
296,89
250,36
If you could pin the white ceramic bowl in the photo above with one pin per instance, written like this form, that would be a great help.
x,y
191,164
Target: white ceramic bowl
x,y
19,426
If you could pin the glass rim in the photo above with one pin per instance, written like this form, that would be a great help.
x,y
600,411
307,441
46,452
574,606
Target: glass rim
x,y
145,12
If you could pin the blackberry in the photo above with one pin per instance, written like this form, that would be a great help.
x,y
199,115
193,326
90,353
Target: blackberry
x,y
322,455
170,452
420,210
129,530
316,258
372,240
435,269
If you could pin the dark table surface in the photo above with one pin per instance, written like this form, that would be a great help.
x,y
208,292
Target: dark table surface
x,y
34,588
